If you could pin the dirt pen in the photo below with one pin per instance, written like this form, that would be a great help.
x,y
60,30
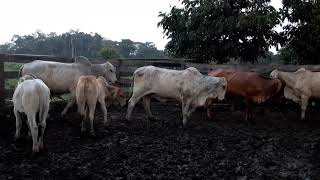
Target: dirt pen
x,y
276,146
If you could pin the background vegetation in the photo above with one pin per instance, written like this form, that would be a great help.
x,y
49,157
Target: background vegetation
x,y
210,31
90,45
243,31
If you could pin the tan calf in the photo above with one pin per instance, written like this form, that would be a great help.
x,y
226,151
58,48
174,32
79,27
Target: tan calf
x,y
91,90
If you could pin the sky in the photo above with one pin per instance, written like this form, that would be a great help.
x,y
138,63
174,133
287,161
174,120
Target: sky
x,y
113,19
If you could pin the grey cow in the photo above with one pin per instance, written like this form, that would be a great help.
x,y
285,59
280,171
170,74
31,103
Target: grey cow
x,y
62,78
188,86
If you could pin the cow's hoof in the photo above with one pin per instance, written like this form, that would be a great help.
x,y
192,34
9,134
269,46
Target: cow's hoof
x,y
92,134
106,124
34,154
126,120
16,138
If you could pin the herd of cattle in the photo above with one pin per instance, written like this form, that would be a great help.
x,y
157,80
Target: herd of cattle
x,y
91,83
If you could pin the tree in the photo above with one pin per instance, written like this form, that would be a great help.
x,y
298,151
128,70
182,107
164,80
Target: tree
x,y
303,30
218,30
147,50
288,56
85,44
109,53
127,48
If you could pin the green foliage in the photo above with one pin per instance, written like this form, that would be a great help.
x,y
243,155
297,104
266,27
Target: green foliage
x,y
303,31
10,83
109,53
85,44
10,66
220,30
288,56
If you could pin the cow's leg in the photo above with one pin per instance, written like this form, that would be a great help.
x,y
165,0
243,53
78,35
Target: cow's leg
x,y
104,110
43,125
146,105
132,102
29,131
18,123
71,102
191,110
185,112
248,111
304,104
84,118
92,109
34,132
209,112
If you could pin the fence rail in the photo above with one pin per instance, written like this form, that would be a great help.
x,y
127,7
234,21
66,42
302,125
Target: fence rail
x,y
126,67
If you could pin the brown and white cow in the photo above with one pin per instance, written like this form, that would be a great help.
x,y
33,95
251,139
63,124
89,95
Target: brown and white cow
x,y
188,86
253,87
91,90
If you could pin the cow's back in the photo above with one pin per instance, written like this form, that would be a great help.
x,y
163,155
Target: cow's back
x,y
250,85
30,95
87,88
309,82
57,76
165,82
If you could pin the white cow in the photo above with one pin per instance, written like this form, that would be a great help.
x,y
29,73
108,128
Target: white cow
x,y
30,97
62,78
188,86
299,86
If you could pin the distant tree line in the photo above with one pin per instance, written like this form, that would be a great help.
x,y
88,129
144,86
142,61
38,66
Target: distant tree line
x,y
243,30
85,44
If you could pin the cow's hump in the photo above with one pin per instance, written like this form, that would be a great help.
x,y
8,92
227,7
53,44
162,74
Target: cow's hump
x,y
82,60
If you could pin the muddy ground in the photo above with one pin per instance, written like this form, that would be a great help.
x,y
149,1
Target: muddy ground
x,y
277,146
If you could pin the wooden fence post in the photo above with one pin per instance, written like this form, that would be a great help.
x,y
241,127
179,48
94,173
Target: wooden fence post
x,y
118,72
183,65
2,81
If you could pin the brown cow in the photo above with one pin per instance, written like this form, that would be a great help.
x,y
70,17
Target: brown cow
x,y
254,87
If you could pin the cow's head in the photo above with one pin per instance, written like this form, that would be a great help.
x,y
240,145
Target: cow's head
x,y
109,72
221,88
217,88
274,73
120,97
26,77
117,97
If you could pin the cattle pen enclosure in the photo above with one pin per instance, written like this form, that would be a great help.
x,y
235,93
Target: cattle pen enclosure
x,y
277,146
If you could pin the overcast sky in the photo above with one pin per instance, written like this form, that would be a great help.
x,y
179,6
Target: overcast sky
x,y
113,19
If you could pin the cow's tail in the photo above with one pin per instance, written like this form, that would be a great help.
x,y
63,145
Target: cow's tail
x,y
20,71
42,104
82,102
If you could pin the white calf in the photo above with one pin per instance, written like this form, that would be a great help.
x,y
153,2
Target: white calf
x,y
31,96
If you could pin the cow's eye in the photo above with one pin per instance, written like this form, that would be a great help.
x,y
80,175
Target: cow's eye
x,y
110,70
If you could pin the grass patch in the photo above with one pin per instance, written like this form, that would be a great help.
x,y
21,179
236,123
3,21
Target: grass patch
x,y
128,77
11,66
10,83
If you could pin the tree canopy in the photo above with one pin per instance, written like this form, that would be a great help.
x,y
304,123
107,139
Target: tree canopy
x,y
220,30
85,44
243,30
303,30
